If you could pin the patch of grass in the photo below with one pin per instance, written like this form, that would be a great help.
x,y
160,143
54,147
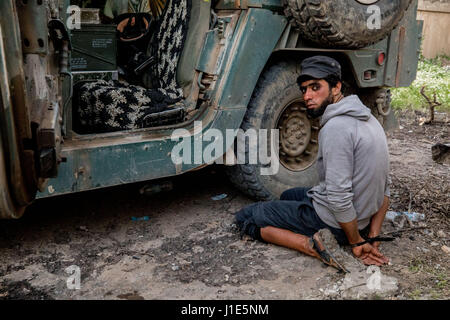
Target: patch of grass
x,y
416,265
416,294
442,281
436,295
434,74
433,279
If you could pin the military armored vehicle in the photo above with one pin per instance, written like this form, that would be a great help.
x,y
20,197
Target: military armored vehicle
x,y
101,93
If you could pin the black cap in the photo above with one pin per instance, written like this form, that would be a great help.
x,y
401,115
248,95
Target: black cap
x,y
319,67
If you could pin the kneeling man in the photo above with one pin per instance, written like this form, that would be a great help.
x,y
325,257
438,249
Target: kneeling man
x,y
352,196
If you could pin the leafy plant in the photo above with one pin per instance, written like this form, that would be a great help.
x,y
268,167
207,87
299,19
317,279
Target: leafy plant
x,y
434,75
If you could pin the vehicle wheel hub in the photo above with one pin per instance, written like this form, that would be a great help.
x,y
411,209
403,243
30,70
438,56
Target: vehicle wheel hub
x,y
298,137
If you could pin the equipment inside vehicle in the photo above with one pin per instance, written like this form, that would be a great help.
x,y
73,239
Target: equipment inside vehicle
x,y
116,98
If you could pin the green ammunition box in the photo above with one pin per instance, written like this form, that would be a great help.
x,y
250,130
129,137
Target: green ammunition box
x,y
94,75
94,48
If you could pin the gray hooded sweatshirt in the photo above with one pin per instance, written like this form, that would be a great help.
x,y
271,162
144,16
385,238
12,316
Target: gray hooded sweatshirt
x,y
353,164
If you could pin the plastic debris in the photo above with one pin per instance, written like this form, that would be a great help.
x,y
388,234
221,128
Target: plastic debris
x,y
219,197
144,218
413,216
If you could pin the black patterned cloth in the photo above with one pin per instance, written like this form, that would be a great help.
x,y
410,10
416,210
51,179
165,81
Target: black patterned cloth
x,y
106,106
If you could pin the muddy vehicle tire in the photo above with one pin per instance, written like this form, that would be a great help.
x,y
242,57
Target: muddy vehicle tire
x,y
277,103
344,23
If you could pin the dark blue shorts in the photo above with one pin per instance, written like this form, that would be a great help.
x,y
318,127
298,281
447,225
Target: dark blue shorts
x,y
294,211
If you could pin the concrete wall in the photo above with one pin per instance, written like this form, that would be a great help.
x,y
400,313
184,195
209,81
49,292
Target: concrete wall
x,y
436,28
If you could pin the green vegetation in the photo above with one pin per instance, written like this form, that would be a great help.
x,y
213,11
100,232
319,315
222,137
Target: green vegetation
x,y
415,294
434,74
416,265
431,280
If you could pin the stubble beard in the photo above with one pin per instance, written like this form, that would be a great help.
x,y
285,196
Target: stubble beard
x,y
318,112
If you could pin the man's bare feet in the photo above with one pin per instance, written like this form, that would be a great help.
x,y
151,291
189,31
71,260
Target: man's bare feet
x,y
324,254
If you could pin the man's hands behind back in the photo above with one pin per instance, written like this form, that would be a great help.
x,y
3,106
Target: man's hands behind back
x,y
370,255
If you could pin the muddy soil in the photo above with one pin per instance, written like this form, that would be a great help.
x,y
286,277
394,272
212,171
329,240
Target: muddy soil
x,y
189,248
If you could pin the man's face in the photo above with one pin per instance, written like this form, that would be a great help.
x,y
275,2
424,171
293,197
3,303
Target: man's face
x,y
317,95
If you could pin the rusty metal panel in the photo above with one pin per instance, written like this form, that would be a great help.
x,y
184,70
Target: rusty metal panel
x,y
15,115
404,50
208,59
411,49
254,39
7,208
33,21
132,157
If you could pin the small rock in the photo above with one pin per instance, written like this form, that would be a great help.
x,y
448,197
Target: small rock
x,y
373,282
331,292
446,249
404,271
227,277
441,153
428,232
227,269
175,268
434,244
198,249
441,234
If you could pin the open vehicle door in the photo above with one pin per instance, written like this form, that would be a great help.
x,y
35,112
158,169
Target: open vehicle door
x,y
30,100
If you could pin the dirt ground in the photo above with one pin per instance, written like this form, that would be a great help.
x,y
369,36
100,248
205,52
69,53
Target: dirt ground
x,y
189,248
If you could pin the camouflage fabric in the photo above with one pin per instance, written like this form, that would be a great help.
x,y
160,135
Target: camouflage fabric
x,y
112,106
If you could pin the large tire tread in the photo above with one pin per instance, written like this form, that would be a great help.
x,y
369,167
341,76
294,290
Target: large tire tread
x,y
245,177
314,23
